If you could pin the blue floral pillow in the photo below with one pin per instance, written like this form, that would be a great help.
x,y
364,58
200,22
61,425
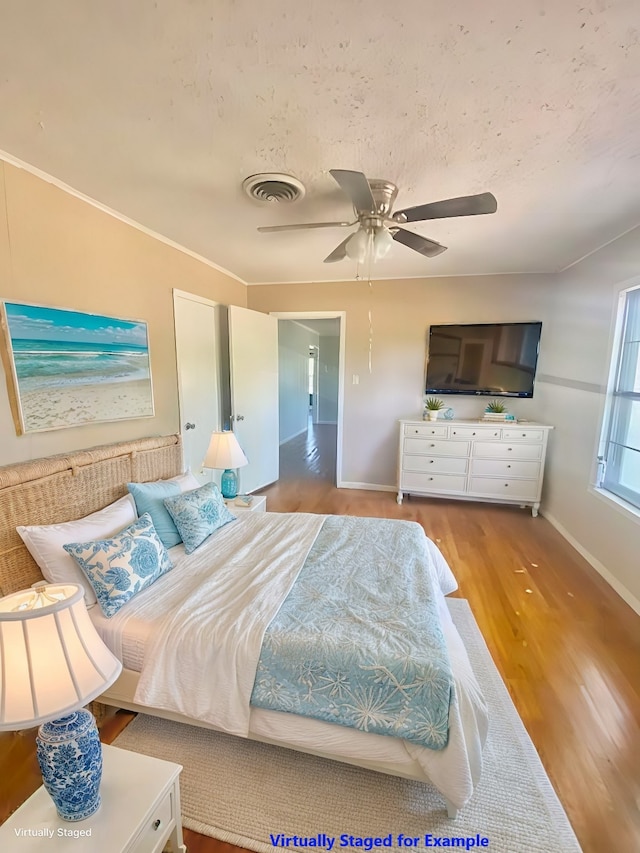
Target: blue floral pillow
x,y
198,514
120,567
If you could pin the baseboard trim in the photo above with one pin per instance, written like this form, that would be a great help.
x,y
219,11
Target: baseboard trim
x,y
295,435
370,487
602,570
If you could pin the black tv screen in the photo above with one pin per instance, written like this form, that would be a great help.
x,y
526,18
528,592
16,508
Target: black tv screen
x,y
497,359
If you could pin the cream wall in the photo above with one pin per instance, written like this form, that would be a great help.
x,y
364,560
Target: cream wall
x,y
578,339
59,251
401,313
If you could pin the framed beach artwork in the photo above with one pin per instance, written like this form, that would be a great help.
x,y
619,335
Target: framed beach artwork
x,y
67,368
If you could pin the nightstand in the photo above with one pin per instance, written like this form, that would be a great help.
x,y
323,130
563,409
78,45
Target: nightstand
x,y
140,813
258,504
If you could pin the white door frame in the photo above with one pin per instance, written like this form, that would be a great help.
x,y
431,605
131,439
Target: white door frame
x,y
328,315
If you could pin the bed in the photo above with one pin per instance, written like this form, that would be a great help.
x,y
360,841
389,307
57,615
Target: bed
x,y
67,487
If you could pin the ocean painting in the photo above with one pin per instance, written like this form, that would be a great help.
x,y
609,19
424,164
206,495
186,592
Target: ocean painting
x,y
70,368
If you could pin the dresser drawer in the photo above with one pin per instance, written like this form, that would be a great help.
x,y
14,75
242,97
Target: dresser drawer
x,y
153,837
506,450
513,434
425,430
504,488
437,447
505,468
419,482
435,464
482,432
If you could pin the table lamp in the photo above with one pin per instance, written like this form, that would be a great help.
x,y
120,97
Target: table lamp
x,y
52,662
225,453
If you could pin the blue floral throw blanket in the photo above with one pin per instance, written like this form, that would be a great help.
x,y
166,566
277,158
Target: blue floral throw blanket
x,y
358,639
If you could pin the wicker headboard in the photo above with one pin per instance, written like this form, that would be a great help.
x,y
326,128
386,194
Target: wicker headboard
x,y
66,487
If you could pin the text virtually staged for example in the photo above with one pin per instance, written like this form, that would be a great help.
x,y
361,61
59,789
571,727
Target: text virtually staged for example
x,y
399,840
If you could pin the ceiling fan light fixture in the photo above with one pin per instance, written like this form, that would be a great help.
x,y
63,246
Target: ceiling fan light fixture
x,y
382,243
358,246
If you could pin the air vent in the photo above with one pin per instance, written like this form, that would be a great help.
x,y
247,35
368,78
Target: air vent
x,y
273,187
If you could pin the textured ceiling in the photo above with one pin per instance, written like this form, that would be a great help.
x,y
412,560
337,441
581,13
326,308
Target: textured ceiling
x,y
160,109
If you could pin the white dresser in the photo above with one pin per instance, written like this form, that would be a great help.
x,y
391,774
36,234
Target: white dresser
x,y
473,460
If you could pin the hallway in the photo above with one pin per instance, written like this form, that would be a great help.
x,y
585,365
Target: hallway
x,y
310,455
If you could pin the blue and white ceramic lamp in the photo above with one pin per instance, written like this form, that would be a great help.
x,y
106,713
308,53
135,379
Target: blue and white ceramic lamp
x,y
47,630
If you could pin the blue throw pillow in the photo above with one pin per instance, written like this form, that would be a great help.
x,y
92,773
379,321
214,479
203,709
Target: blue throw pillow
x,y
198,514
149,498
122,566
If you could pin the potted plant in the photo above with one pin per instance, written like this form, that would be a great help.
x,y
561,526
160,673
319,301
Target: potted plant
x,y
496,407
431,407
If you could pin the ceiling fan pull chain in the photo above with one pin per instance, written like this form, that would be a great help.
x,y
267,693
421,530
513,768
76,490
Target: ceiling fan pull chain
x,y
370,338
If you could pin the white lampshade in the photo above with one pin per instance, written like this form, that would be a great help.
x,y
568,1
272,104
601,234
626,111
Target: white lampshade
x,y
224,452
52,660
382,243
358,246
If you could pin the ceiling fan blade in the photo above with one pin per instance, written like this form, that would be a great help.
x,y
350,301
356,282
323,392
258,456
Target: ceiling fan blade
x,y
264,228
466,205
426,247
339,253
356,186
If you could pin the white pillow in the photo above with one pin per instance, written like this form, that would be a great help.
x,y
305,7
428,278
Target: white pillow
x,y
187,481
45,542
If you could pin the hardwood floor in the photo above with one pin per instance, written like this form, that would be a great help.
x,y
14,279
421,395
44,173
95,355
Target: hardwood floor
x,y
567,647
310,455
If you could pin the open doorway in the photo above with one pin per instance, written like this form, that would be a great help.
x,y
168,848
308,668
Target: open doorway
x,y
311,366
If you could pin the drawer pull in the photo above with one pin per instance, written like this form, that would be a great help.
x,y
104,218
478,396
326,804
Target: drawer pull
x,y
524,435
473,433
431,478
432,445
509,448
508,466
156,823
506,485
431,462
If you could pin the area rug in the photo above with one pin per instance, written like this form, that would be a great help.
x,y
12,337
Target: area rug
x,y
256,796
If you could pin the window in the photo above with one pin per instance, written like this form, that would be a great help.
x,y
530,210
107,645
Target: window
x,y
621,444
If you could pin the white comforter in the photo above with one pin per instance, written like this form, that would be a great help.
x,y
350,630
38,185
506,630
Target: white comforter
x,y
223,597
222,618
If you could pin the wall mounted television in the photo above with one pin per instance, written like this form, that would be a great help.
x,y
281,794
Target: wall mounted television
x,y
493,359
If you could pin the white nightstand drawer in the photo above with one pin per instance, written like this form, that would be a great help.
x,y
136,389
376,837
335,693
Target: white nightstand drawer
x,y
505,468
517,489
157,828
425,430
435,464
482,432
418,482
513,434
136,792
506,450
437,447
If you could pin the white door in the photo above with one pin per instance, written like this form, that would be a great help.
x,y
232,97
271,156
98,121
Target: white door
x,y
198,384
253,357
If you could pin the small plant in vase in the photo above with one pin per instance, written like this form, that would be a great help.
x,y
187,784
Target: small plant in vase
x,y
431,408
497,411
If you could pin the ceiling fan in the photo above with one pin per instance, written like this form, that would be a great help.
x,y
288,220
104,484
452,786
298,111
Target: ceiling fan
x,y
378,226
